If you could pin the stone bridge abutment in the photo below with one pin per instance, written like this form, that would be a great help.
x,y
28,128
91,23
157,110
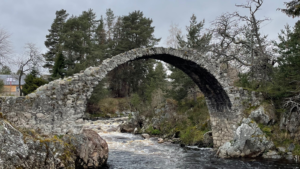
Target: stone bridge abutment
x,y
58,107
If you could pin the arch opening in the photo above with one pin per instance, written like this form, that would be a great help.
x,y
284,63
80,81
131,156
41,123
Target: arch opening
x,y
207,83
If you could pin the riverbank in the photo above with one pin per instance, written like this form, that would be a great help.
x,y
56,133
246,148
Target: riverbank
x,y
22,148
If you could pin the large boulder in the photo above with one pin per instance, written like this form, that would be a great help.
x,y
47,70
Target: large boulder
x,y
127,128
23,148
264,114
92,150
20,150
208,139
249,141
290,121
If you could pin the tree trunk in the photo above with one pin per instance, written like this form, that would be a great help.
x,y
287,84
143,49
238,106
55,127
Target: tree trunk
x,y
20,77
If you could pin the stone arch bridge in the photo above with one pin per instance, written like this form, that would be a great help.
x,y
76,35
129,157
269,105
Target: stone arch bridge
x,y
59,106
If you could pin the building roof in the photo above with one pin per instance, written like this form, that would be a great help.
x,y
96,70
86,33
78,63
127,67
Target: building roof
x,y
12,79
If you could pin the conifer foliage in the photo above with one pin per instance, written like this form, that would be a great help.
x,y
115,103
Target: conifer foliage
x,y
54,39
292,8
59,66
77,42
287,76
32,82
195,38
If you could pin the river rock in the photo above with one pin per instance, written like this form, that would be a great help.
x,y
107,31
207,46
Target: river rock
x,y
176,140
127,128
264,114
112,129
281,149
92,150
272,154
135,131
291,147
208,139
145,136
290,121
160,140
249,141
289,156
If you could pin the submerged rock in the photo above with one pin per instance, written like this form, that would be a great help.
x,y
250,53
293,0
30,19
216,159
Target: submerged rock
x,y
249,141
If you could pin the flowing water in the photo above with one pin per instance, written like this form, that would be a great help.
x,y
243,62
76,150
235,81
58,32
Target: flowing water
x,y
128,151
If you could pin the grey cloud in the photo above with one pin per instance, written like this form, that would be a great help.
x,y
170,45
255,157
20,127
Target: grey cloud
x,y
29,21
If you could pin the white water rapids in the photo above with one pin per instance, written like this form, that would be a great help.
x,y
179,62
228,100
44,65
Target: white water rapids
x,y
129,151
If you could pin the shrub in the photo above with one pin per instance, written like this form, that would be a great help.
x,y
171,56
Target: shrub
x,y
153,131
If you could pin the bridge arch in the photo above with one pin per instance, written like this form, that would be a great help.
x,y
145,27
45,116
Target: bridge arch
x,y
59,106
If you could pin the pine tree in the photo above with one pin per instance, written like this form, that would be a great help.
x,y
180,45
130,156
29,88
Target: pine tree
x,y
182,84
195,38
132,31
100,34
32,82
117,34
88,26
155,79
98,52
5,70
80,37
59,66
73,49
55,38
287,77
292,8
110,17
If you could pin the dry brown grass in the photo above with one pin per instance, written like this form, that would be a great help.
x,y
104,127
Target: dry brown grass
x,y
112,105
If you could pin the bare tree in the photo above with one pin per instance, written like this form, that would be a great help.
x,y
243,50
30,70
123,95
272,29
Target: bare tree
x,y
5,46
30,60
293,103
237,38
172,40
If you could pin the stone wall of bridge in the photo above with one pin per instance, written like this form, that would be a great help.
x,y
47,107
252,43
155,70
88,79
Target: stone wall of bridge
x,y
58,107
224,126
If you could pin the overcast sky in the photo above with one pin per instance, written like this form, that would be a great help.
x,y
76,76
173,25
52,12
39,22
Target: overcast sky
x,y
29,20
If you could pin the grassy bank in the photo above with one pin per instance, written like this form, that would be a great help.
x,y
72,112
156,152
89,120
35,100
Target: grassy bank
x,y
189,121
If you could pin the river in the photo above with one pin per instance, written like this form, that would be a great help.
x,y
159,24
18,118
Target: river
x,y
129,151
